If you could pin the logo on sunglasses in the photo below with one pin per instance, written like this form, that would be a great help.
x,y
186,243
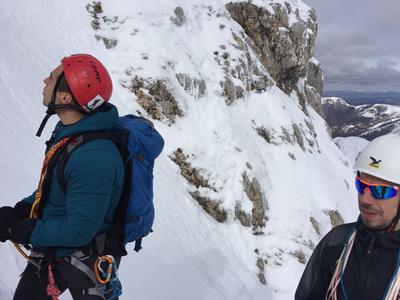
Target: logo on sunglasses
x,y
375,163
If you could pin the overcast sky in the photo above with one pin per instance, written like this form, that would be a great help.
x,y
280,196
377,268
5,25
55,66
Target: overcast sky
x,y
358,43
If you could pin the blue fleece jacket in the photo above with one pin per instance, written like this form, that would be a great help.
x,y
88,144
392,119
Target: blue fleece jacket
x,y
95,174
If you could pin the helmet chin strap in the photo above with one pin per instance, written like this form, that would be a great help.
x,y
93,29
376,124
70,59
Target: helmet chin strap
x,y
51,108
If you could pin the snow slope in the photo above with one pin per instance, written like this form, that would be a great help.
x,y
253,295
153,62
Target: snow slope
x,y
351,146
190,255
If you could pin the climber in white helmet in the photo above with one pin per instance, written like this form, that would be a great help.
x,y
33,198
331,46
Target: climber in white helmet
x,y
361,260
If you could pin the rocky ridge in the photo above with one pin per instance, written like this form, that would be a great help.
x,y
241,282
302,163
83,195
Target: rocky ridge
x,y
253,93
367,121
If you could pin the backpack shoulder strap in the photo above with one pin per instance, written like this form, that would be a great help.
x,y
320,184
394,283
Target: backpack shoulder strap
x,y
74,144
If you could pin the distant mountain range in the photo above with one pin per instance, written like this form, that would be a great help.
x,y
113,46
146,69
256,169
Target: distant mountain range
x,y
368,121
366,97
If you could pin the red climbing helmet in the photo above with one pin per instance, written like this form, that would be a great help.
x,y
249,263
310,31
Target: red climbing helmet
x,y
88,80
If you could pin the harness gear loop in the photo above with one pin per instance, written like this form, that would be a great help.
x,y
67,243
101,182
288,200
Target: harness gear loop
x,y
98,269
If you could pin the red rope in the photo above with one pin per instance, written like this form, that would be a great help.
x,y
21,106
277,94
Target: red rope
x,y
52,289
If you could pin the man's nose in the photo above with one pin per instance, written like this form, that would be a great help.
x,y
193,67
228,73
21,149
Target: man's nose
x,y
367,197
46,80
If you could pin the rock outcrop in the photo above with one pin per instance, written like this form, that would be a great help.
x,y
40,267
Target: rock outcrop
x,y
155,98
195,178
284,47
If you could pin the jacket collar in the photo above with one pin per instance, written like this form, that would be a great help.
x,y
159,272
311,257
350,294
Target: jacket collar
x,y
104,119
381,238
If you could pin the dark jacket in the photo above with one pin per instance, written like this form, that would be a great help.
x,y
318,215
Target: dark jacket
x,y
371,264
94,174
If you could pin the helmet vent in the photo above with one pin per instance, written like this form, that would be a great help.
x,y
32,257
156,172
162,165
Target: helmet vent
x,y
88,85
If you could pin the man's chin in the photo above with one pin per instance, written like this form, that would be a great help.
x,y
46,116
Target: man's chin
x,y
374,224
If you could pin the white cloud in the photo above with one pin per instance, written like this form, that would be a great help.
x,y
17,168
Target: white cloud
x,y
357,43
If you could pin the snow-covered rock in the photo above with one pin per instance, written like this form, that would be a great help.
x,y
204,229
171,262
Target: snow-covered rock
x,y
367,121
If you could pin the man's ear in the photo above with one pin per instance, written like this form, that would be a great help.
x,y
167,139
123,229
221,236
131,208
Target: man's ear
x,y
65,98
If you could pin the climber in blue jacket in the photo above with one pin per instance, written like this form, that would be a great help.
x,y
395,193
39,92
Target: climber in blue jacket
x,y
65,228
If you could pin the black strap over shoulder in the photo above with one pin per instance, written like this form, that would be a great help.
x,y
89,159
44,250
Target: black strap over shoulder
x,y
119,139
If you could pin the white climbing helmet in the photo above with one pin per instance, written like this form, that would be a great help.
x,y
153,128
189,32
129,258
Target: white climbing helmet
x,y
381,158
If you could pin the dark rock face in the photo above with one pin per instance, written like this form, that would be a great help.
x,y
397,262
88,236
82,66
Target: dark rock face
x,y
296,136
315,76
190,173
275,47
261,270
196,179
335,216
242,75
315,85
253,191
108,42
299,136
284,49
179,18
243,217
301,257
315,225
95,9
193,86
366,121
155,97
210,206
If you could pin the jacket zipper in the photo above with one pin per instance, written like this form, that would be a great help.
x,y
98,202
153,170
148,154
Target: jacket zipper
x,y
371,245
372,260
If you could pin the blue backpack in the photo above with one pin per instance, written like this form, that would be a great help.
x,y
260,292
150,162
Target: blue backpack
x,y
139,144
